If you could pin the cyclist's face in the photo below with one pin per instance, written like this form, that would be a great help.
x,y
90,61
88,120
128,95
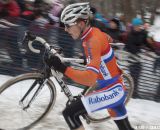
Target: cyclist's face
x,y
74,30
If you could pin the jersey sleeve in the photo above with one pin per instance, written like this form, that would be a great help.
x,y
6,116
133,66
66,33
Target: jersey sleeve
x,y
88,77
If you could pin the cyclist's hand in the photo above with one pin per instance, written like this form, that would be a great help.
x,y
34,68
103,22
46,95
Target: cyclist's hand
x,y
85,60
55,62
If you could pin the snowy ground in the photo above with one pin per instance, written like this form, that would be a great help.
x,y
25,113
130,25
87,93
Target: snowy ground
x,y
143,114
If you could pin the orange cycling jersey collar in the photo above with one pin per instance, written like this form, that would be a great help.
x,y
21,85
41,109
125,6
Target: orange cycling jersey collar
x,y
86,33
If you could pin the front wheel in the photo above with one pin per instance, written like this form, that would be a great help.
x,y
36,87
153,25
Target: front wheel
x,y
103,115
19,110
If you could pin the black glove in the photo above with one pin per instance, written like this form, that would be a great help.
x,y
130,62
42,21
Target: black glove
x,y
55,62
4,12
85,60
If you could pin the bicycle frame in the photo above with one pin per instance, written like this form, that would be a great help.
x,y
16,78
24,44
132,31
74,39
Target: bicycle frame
x,y
34,95
57,75
64,87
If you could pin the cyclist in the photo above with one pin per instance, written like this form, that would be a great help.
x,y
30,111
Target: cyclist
x,y
101,65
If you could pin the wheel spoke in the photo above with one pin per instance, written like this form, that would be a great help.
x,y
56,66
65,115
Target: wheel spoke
x,y
12,112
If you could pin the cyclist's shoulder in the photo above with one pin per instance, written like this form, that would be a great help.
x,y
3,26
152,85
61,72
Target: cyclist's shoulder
x,y
96,30
97,34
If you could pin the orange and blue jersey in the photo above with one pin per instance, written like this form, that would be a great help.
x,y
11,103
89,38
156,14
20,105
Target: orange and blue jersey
x,y
101,67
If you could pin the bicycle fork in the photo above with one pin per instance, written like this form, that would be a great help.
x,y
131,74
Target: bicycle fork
x,y
41,84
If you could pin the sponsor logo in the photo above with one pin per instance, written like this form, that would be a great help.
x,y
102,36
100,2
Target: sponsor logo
x,y
104,97
103,71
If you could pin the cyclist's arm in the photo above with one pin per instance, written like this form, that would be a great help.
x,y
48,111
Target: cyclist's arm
x,y
88,77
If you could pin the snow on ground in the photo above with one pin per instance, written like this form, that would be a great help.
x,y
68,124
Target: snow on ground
x,y
143,114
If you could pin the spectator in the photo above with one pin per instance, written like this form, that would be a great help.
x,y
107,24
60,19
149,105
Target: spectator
x,y
38,27
55,11
9,8
45,23
21,4
100,17
56,33
47,12
136,40
114,30
95,22
122,23
146,26
43,12
28,10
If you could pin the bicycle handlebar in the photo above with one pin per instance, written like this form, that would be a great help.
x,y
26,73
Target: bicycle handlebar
x,y
31,38
42,41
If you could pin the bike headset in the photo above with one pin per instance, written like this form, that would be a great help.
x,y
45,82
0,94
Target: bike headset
x,y
76,12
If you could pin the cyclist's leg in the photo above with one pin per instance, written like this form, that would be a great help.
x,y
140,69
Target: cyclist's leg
x,y
119,115
123,124
71,114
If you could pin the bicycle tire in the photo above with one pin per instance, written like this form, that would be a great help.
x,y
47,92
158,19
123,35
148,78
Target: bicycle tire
x,y
129,89
14,82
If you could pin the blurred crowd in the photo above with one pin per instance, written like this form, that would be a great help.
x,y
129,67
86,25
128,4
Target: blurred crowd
x,y
47,13
43,11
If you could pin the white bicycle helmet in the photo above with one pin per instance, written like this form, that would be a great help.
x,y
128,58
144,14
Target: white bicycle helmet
x,y
75,11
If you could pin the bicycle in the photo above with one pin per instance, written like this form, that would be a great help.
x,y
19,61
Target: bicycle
x,y
38,92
